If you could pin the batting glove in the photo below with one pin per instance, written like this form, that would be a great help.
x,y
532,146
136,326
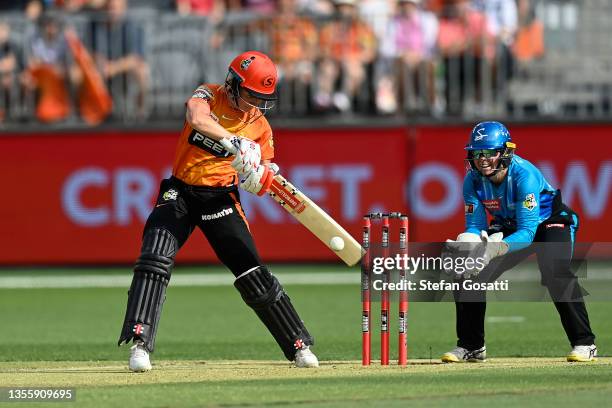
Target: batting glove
x,y
247,156
258,180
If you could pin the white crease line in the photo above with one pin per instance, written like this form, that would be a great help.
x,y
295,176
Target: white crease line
x,y
204,279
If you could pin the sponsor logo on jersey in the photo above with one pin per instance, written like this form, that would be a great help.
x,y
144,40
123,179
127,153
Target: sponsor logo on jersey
x,y
492,205
170,195
469,209
217,215
206,143
555,225
530,202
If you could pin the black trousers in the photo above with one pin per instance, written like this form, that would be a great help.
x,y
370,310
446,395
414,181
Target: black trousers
x,y
180,208
554,264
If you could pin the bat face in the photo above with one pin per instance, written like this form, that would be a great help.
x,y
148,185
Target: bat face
x,y
316,220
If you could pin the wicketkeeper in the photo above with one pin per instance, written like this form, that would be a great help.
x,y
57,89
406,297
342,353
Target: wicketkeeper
x,y
528,216
203,193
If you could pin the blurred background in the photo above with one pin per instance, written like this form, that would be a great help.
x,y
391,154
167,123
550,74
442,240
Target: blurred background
x,y
405,59
377,98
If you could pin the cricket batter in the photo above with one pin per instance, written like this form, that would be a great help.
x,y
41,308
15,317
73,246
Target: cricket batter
x,y
525,209
203,192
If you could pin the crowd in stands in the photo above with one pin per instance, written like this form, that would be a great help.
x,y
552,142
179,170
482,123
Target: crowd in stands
x,y
376,56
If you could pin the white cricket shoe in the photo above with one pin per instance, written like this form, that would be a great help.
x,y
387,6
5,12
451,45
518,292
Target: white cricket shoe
x,y
580,354
139,358
460,355
304,358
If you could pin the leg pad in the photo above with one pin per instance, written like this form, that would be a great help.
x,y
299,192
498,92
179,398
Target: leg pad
x,y
148,290
265,295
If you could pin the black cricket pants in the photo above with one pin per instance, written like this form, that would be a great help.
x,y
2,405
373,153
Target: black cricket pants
x,y
216,211
562,284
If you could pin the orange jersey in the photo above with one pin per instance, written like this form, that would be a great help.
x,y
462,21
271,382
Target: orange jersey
x,y
340,40
201,161
293,39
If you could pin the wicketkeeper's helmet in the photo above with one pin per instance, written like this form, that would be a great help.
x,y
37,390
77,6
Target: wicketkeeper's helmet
x,y
489,136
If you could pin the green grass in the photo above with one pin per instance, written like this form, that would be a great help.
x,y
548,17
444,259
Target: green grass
x,y
432,388
68,336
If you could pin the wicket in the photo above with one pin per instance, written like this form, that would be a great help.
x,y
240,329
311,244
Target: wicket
x,y
366,354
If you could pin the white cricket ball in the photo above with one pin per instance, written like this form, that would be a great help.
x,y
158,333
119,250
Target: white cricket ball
x,y
336,243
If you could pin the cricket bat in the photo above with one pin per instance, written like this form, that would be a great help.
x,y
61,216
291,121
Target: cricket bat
x,y
311,216
317,221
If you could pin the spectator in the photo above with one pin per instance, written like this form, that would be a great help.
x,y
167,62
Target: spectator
x,y
377,13
213,9
259,7
464,43
9,66
435,6
33,10
73,6
49,70
348,47
529,42
502,19
407,57
502,22
316,8
293,44
118,44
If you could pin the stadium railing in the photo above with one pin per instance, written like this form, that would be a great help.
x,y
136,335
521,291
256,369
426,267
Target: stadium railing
x,y
573,79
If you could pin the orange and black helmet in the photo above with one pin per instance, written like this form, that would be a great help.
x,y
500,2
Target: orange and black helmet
x,y
256,73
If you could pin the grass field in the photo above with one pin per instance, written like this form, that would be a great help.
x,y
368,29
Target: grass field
x,y
212,351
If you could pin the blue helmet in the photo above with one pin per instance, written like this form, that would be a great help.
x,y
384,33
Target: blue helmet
x,y
488,135
491,136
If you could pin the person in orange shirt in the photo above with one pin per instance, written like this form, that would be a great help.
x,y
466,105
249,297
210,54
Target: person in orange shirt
x,y
293,47
203,192
347,45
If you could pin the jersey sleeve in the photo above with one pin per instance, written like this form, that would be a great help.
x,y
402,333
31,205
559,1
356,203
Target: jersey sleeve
x,y
266,143
204,92
527,213
475,215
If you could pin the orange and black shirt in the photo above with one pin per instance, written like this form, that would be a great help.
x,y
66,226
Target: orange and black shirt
x,y
202,161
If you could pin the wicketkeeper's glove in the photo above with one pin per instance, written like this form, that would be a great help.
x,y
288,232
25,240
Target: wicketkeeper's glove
x,y
480,249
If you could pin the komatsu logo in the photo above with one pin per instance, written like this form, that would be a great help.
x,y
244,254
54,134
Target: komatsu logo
x,y
222,213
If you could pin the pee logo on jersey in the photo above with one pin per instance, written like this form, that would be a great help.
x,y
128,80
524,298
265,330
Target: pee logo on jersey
x,y
206,143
